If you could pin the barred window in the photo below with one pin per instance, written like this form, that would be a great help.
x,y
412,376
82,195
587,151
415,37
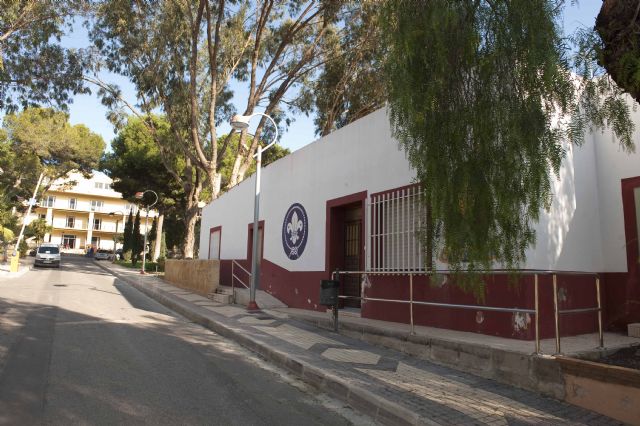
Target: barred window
x,y
396,219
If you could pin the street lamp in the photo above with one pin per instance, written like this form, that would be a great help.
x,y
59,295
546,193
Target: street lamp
x,y
241,122
139,196
116,235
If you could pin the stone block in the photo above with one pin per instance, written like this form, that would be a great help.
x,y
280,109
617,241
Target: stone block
x,y
634,329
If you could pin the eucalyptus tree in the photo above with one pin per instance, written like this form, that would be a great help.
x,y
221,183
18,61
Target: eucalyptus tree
x,y
182,55
479,94
34,67
350,84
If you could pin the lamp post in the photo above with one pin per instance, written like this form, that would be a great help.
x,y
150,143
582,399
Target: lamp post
x,y
116,235
139,196
241,122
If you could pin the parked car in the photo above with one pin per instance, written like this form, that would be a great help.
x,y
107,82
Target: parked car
x,y
48,254
102,254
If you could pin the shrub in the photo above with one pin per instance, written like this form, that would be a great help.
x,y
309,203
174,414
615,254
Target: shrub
x,y
126,255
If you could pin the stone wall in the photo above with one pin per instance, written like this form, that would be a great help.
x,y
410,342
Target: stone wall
x,y
607,389
199,276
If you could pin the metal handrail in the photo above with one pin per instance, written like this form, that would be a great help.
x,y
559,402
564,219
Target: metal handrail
x,y
233,275
535,311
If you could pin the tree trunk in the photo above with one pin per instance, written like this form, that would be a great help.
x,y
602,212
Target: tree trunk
x,y
191,218
158,242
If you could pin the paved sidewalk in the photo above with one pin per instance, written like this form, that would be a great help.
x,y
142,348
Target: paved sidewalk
x,y
390,387
24,267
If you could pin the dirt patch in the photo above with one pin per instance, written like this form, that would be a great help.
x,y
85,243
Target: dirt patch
x,y
627,357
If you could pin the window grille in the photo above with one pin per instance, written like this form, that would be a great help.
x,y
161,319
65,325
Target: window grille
x,y
395,221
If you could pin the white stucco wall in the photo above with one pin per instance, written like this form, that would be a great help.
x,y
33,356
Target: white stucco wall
x,y
583,230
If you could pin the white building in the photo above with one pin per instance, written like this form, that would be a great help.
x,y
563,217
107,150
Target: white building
x,y
85,212
355,208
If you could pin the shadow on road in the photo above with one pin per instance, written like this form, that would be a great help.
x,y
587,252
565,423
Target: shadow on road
x,y
65,367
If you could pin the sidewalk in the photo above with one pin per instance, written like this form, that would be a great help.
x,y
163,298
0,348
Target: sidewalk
x,y
25,265
389,386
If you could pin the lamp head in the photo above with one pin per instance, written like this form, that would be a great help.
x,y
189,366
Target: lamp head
x,y
240,122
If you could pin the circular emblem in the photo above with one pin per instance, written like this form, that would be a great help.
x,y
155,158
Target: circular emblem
x,y
295,229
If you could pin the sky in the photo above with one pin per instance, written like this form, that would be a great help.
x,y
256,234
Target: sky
x,y
88,110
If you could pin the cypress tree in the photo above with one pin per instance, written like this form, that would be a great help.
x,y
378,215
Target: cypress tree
x,y
136,239
128,229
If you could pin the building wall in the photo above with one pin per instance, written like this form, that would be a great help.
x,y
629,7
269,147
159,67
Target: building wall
x,y
582,231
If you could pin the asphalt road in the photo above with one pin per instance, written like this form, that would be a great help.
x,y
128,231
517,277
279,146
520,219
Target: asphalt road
x,y
79,347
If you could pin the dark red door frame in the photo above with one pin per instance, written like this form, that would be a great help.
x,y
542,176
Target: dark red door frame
x,y
630,223
338,202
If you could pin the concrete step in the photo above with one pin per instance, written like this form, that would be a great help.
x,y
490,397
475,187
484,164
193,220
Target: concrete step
x,y
224,290
263,299
221,298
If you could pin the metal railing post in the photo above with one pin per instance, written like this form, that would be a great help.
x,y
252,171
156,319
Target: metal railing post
x,y
411,302
555,312
537,308
233,279
600,333
335,274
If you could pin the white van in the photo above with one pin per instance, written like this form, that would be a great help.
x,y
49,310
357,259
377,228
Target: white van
x,y
48,255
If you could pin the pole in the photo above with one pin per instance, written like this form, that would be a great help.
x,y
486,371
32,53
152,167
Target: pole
x,y
144,246
537,307
600,334
255,275
14,264
555,312
411,302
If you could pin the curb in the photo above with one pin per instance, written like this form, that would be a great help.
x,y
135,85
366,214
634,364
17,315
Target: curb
x,y
364,401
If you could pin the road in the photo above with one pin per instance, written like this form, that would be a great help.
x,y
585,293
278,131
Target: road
x,y
79,347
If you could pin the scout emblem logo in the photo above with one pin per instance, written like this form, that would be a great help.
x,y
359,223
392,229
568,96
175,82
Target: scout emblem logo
x,y
295,229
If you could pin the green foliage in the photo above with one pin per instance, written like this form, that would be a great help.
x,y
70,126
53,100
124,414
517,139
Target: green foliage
x,y
34,67
350,84
618,44
474,90
136,239
163,248
128,232
37,229
23,248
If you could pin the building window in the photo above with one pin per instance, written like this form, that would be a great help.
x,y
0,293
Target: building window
x,y
396,220
69,241
71,222
97,223
95,242
107,186
96,206
42,216
73,203
130,208
48,201
99,185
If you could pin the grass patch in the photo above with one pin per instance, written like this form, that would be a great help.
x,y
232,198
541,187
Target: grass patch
x,y
148,267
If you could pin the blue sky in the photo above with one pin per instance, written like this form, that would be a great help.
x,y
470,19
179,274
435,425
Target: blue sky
x,y
88,110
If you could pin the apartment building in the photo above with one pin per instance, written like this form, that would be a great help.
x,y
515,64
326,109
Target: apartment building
x,y
85,212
